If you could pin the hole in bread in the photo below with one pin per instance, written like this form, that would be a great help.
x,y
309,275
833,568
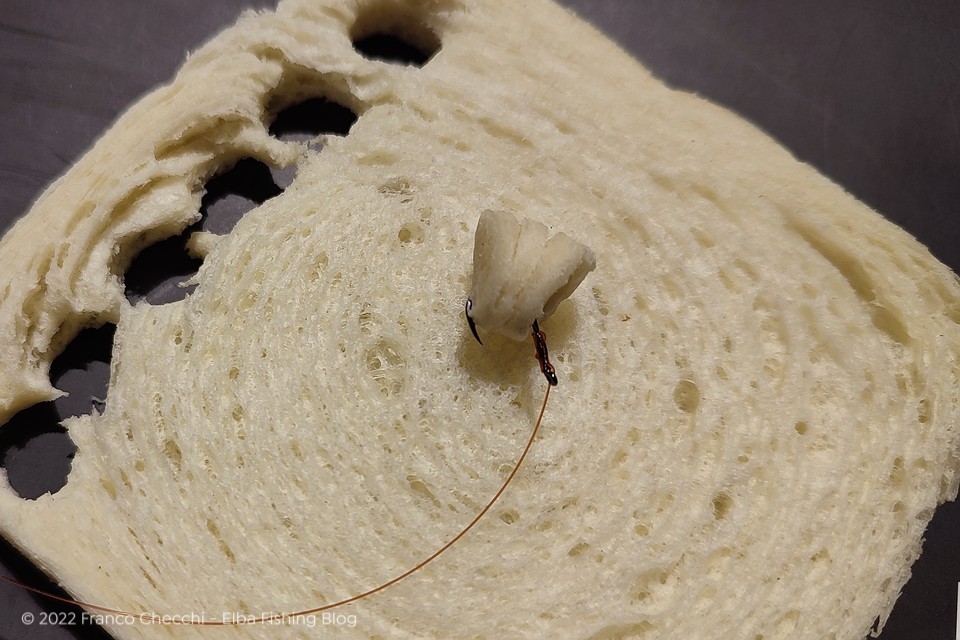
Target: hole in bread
x,y
394,49
686,395
393,34
898,475
648,583
306,120
158,274
722,504
35,450
420,488
402,190
292,117
410,232
623,631
510,516
231,194
577,549
385,364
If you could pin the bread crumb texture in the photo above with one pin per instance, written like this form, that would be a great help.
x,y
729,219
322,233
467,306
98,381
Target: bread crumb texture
x,y
757,412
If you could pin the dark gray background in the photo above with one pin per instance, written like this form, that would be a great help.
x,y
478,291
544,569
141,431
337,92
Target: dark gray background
x,y
865,90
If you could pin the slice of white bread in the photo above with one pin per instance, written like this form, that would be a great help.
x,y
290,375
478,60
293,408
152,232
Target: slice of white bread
x,y
756,413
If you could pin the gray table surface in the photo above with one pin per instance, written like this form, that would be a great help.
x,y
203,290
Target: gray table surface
x,y
865,90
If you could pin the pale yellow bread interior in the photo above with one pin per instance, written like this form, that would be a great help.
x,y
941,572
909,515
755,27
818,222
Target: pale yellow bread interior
x,y
757,410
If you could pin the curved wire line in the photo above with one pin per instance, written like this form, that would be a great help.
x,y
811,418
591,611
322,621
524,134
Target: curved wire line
x,y
187,620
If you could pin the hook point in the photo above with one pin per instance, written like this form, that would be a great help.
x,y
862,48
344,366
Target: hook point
x,y
473,326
